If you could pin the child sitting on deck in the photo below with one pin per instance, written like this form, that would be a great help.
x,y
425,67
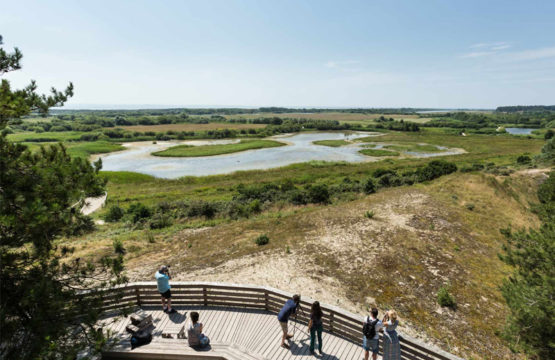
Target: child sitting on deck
x,y
194,333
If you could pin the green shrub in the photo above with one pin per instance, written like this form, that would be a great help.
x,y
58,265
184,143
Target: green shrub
x,y
523,159
138,212
150,237
470,206
118,246
369,214
262,240
159,221
369,186
115,213
319,194
444,298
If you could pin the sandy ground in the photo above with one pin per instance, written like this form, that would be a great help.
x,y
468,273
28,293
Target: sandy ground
x,y
93,203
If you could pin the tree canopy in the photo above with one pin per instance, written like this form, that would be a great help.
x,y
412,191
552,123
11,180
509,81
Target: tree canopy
x,y
43,313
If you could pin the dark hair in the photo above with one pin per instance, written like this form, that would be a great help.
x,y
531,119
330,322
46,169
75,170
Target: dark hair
x,y
316,310
296,298
194,317
374,313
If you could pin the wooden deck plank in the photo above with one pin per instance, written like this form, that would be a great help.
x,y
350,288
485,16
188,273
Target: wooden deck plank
x,y
259,330
234,326
249,330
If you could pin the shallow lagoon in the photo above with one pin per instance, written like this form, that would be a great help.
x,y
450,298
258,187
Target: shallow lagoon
x,y
519,131
300,148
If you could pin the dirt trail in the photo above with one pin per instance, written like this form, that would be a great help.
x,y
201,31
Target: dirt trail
x,y
93,203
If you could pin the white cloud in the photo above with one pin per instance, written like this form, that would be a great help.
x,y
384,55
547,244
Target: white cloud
x,y
535,54
486,49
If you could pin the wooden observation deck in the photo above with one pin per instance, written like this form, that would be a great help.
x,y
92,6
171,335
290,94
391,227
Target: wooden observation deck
x,y
241,323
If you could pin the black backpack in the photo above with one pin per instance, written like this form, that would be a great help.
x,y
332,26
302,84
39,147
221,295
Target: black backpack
x,y
369,328
140,338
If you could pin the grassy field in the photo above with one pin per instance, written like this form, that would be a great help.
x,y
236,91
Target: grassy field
x,y
192,127
210,150
85,149
414,148
45,136
331,143
378,152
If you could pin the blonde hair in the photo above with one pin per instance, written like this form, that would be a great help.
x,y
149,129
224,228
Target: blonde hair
x,y
392,315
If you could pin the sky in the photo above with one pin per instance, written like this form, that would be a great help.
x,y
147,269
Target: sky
x,y
417,53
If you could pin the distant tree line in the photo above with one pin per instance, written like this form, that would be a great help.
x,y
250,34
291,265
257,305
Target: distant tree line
x,y
526,108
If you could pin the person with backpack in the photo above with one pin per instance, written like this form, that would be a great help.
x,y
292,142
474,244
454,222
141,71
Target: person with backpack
x,y
370,334
391,345
286,311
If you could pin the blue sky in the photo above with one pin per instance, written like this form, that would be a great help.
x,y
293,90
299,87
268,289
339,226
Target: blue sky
x,y
447,54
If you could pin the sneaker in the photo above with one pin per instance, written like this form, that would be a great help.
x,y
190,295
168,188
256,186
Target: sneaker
x,y
172,311
285,346
165,310
289,336
312,352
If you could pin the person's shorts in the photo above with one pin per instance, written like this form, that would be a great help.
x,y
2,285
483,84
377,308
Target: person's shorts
x,y
370,345
167,294
283,327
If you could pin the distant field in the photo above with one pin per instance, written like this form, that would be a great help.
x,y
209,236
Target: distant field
x,y
191,127
45,136
343,117
210,150
85,149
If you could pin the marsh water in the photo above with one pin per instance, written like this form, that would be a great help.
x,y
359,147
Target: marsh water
x,y
519,131
299,148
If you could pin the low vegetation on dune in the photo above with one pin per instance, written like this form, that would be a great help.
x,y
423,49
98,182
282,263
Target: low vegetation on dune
x,y
210,150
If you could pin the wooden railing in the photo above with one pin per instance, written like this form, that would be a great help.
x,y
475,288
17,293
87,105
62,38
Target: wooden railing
x,y
337,321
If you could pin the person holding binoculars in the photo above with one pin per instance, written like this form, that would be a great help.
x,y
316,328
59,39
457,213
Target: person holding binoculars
x,y
163,281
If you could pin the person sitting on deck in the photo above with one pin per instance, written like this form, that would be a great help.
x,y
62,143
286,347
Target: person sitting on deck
x,y
194,333
163,281
287,310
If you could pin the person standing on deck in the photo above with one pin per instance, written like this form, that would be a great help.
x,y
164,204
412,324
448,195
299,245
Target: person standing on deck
x,y
315,326
371,334
286,311
163,281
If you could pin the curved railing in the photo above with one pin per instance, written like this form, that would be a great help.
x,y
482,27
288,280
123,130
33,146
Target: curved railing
x,y
337,321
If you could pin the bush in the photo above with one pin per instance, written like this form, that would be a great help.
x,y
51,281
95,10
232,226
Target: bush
x,y
160,221
470,206
523,159
319,194
444,298
369,214
115,213
435,169
118,247
369,186
262,240
388,180
548,134
138,212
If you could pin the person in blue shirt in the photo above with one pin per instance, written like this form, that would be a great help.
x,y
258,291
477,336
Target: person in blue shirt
x,y
286,311
163,281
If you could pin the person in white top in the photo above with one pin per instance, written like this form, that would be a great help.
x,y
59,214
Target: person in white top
x,y
371,334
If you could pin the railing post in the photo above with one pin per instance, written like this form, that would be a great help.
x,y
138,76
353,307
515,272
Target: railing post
x,y
205,296
138,295
331,321
266,301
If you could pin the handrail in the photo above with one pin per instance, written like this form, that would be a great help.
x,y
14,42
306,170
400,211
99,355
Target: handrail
x,y
335,320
